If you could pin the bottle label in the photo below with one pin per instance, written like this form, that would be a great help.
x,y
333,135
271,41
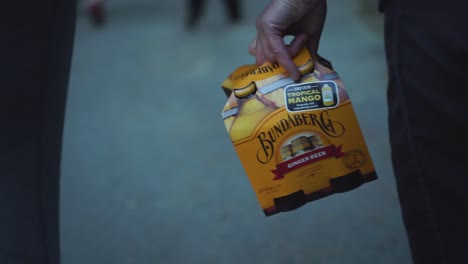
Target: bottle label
x,y
311,96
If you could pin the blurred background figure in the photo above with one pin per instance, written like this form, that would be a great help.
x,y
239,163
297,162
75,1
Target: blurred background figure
x,y
196,11
96,11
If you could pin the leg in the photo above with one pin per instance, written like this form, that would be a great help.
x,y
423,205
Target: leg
x,y
34,72
96,11
428,60
195,12
233,8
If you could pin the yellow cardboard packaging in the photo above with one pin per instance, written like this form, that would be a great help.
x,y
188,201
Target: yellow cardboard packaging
x,y
298,141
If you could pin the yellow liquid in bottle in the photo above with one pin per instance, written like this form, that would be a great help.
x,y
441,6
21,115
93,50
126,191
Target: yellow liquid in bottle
x,y
327,95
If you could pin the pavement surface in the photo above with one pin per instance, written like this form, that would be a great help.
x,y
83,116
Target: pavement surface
x,y
149,172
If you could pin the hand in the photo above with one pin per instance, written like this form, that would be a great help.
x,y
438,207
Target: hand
x,y
302,19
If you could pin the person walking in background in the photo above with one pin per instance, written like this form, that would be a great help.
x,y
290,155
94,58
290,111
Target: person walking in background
x,y
96,11
195,11
426,47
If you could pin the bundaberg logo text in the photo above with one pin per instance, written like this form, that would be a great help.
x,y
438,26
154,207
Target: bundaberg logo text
x,y
261,70
268,138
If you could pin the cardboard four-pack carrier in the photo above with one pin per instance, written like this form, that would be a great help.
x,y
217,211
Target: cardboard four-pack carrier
x,y
298,141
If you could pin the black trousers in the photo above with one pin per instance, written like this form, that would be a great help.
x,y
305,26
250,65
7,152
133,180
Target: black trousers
x,y
35,54
427,55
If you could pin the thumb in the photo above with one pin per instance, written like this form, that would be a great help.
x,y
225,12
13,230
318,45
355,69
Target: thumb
x,y
253,47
